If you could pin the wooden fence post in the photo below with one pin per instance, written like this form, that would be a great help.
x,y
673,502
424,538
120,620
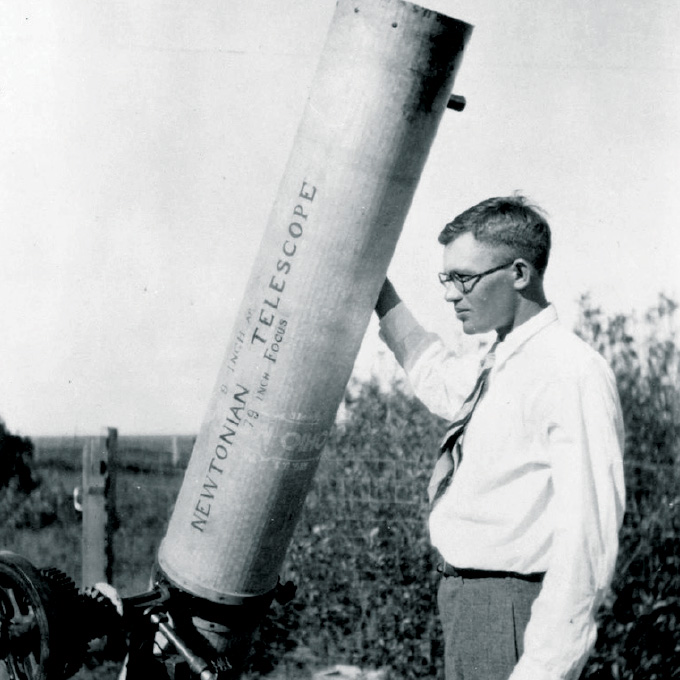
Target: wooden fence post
x,y
99,514
175,452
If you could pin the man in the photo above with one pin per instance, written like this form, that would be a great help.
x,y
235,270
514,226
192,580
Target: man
x,y
527,496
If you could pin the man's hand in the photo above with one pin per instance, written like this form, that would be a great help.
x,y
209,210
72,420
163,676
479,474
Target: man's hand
x,y
387,299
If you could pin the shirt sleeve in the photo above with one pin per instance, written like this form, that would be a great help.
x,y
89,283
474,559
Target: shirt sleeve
x,y
438,375
583,432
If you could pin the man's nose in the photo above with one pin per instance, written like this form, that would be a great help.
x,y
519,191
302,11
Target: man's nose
x,y
452,294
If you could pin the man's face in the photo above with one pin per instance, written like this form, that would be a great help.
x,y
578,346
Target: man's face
x,y
491,304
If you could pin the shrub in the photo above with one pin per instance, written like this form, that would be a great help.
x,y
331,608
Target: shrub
x,y
361,558
639,634
26,502
16,455
48,503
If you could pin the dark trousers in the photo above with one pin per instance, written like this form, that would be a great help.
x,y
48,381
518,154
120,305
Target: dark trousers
x,y
484,621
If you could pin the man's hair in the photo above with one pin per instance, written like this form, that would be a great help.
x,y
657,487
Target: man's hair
x,y
509,221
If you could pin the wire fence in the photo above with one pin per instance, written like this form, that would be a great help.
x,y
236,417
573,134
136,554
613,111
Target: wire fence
x,y
150,469
359,489
353,498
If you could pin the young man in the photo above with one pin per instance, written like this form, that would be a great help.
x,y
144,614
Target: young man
x,y
527,494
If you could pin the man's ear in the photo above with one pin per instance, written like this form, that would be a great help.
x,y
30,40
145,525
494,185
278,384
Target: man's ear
x,y
523,272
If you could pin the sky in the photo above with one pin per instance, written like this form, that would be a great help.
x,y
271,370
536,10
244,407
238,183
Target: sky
x,y
141,147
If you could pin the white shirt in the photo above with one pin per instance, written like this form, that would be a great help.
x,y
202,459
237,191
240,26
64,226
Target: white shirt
x,y
540,485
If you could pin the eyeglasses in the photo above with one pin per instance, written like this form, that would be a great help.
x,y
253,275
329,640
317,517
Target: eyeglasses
x,y
466,282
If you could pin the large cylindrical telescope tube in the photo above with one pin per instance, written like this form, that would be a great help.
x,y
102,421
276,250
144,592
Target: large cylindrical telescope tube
x,y
383,82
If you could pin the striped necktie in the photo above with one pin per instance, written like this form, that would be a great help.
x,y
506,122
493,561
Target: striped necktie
x,y
451,445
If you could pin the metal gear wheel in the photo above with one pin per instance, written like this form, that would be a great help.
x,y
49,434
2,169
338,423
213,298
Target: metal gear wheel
x,y
70,637
103,621
35,643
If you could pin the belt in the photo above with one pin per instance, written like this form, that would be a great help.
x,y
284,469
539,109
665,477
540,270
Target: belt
x,y
448,570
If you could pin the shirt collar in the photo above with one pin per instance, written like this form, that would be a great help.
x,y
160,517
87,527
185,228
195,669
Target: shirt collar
x,y
518,336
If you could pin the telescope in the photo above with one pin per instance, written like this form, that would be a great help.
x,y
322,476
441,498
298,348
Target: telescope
x,y
383,83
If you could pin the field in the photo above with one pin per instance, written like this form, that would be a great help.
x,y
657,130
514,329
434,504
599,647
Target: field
x,y
360,557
